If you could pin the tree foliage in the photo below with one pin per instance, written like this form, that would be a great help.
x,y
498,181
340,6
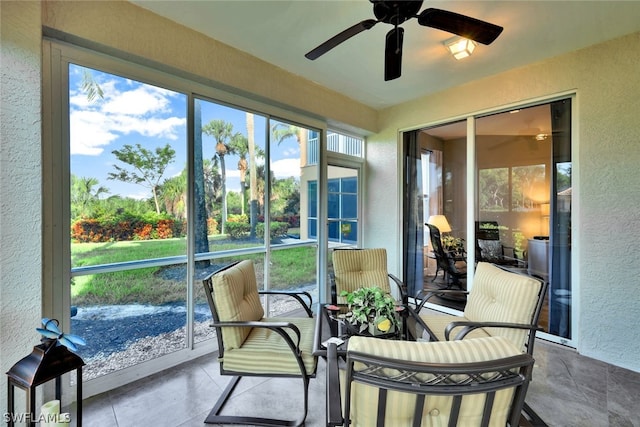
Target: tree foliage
x,y
146,167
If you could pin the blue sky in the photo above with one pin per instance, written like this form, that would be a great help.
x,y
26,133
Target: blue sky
x,y
131,112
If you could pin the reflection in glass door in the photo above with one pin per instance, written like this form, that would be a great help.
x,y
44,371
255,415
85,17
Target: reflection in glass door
x,y
523,160
523,192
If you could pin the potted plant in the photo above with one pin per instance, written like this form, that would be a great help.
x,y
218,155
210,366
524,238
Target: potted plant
x,y
454,245
372,309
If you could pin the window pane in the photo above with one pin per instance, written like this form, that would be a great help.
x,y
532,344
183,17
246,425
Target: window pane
x,y
127,165
291,267
128,317
229,177
128,203
493,189
349,206
528,185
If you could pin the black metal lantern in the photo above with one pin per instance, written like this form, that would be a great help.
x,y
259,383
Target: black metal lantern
x,y
48,361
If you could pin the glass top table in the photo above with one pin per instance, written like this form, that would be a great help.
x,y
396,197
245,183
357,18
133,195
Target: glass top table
x,y
332,327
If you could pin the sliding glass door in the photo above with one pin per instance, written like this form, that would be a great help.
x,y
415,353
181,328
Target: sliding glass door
x,y
522,180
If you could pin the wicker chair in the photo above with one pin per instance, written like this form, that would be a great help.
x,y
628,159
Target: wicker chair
x,y
357,268
251,345
481,382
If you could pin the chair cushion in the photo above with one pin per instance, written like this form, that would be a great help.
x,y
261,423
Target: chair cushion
x,y
438,322
400,406
236,298
502,296
490,250
359,268
272,351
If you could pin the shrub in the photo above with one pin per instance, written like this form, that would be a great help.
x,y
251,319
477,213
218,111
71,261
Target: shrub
x,y
123,226
212,226
237,230
276,229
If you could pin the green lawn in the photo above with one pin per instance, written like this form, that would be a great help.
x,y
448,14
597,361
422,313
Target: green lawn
x,y
157,285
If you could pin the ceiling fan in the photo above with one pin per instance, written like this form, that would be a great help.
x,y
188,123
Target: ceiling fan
x,y
395,13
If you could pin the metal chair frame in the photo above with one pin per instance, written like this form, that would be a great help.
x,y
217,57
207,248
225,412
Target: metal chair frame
x,y
280,328
451,379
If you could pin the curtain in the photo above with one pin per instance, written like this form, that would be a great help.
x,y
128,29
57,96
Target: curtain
x,y
413,227
560,236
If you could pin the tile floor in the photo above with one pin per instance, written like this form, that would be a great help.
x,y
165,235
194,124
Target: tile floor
x,y
567,390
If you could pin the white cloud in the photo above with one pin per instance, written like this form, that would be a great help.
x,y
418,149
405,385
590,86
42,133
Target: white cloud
x,y
140,101
96,124
286,167
88,133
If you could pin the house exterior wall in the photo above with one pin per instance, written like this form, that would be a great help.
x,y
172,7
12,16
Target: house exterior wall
x,y
606,186
20,186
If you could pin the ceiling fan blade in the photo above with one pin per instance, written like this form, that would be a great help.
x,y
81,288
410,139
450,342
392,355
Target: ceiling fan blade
x,y
465,26
393,54
341,37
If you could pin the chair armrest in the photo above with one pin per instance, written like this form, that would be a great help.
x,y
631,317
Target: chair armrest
x,y
404,295
278,327
434,292
470,326
423,325
334,400
297,295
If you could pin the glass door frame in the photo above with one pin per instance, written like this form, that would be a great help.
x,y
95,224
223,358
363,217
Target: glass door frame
x,y
348,162
472,188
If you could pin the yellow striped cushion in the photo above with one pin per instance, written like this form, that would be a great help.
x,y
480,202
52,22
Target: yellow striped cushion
x,y
502,296
437,323
265,351
236,298
400,406
354,269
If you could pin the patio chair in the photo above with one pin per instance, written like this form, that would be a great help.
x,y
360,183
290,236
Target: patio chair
x,y
251,345
489,248
501,303
481,382
445,261
357,268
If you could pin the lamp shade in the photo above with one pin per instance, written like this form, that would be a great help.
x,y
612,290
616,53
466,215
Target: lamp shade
x,y
441,222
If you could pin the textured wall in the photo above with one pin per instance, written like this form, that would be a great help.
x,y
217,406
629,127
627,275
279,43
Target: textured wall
x,y
20,165
606,190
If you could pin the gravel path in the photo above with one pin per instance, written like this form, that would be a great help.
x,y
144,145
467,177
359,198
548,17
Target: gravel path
x,y
122,336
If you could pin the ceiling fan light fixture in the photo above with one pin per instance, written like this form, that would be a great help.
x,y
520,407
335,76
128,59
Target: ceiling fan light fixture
x,y
460,47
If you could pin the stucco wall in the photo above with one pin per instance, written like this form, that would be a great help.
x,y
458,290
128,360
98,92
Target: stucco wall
x,y
20,189
606,191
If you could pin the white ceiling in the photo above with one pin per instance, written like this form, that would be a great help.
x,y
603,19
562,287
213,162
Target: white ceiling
x,y
281,32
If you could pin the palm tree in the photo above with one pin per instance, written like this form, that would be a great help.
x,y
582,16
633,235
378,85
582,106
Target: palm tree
x,y
199,206
240,145
253,177
212,184
174,195
84,193
282,131
221,132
